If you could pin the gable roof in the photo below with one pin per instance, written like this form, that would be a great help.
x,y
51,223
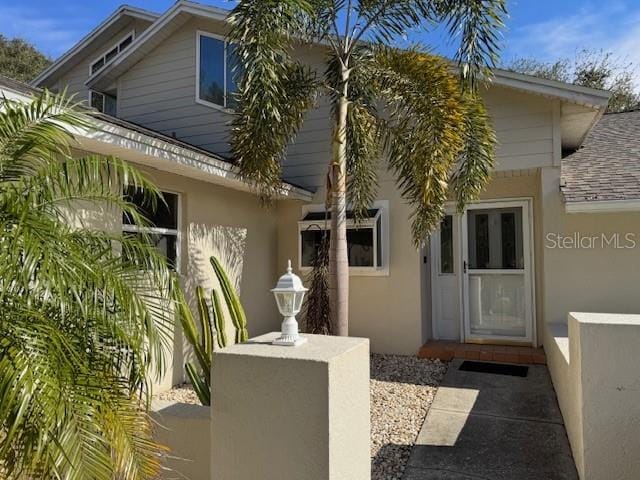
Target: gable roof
x,y
71,54
164,26
605,173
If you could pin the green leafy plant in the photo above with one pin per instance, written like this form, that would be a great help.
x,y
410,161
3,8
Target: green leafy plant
x,y
404,105
211,326
86,314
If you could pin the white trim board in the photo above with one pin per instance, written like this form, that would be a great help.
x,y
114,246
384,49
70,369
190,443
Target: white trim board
x,y
603,206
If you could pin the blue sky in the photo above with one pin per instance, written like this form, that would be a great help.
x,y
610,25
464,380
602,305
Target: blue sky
x,y
545,29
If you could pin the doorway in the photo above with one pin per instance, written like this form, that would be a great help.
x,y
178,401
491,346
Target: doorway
x,y
482,274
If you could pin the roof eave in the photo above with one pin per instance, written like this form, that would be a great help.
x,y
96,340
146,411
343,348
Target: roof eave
x,y
78,47
589,97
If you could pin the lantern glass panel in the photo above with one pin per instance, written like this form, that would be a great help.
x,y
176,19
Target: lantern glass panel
x,y
298,303
285,302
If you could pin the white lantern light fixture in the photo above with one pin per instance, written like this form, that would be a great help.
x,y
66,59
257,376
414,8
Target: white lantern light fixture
x,y
289,293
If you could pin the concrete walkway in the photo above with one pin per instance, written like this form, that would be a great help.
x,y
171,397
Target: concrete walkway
x,y
485,426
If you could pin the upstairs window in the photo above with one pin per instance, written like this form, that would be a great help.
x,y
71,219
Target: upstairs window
x,y
367,240
103,103
164,228
111,53
215,77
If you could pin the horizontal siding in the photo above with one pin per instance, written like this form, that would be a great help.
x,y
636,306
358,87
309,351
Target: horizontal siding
x,y
159,92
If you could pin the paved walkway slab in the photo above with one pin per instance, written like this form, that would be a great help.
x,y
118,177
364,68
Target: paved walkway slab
x,y
484,426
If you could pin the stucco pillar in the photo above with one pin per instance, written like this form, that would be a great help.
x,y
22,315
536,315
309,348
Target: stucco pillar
x,y
291,413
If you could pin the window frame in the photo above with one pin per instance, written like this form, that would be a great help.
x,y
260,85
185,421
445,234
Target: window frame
x,y
103,95
128,228
381,270
103,56
222,38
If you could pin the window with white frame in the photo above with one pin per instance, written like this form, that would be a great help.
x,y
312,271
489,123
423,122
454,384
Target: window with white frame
x,y
367,244
163,230
103,102
216,80
111,53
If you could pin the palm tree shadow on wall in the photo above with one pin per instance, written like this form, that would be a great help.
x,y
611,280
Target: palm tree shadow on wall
x,y
228,245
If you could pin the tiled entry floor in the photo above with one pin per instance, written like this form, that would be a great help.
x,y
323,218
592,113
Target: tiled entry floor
x,y
484,426
447,351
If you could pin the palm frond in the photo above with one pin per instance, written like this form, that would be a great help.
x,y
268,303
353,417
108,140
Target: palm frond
x,y
423,137
87,313
40,130
476,162
477,23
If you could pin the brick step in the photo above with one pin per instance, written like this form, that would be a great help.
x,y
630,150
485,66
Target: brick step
x,y
447,351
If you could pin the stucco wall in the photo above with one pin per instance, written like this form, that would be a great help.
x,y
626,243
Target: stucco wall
x,y
186,430
601,278
390,310
593,365
282,413
234,226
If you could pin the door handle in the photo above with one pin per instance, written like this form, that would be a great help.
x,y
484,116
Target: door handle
x,y
464,266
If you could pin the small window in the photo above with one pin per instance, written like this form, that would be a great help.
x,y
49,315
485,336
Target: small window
x,y
111,53
364,239
104,103
216,76
163,230
446,245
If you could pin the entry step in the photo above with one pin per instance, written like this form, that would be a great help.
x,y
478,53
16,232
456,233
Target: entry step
x,y
447,351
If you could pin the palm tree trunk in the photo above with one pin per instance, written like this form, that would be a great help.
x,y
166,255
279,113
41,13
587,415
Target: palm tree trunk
x,y
338,260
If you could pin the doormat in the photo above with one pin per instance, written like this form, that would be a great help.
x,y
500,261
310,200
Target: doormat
x,y
495,368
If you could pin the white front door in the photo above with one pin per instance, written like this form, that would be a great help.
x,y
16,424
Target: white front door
x,y
484,291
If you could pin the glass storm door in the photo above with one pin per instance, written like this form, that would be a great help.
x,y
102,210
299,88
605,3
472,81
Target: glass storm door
x,y
497,285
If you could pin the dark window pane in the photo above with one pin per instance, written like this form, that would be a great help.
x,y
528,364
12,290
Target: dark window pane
x,y
126,42
110,105
360,250
97,101
166,244
310,244
495,239
481,234
97,65
165,214
111,54
212,70
360,247
446,245
508,221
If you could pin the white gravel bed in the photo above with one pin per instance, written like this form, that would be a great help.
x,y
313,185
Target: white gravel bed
x,y
180,393
402,389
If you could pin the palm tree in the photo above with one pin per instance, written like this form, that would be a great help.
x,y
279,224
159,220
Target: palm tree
x,y
404,104
84,315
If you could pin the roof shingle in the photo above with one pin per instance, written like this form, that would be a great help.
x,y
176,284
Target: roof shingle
x,y
607,167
